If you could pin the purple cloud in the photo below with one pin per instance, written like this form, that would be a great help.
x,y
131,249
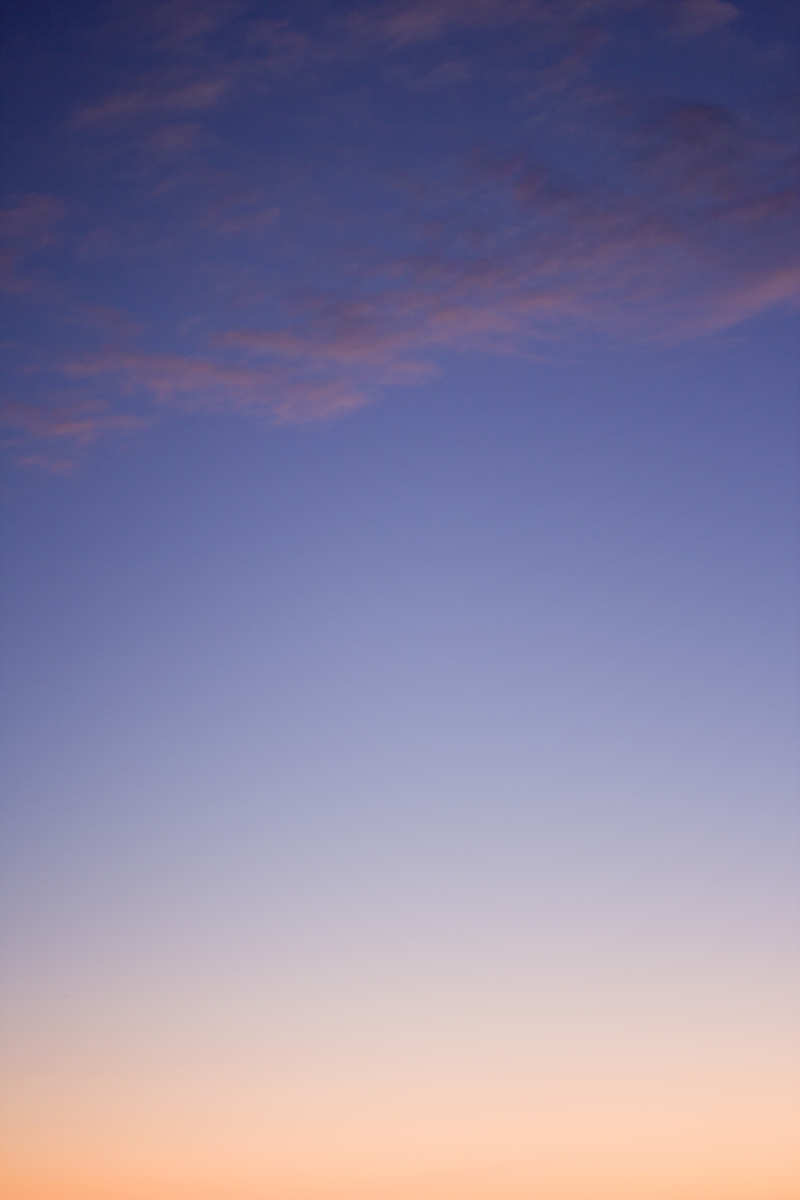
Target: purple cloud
x,y
27,226
29,223
159,95
696,17
191,383
298,284
51,464
181,24
81,421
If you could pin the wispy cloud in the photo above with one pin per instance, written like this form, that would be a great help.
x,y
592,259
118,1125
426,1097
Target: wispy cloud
x,y
302,403
696,17
245,212
547,257
243,45
269,275
30,222
115,324
51,464
159,95
27,226
287,49
182,24
81,422
404,22
452,71
174,138
651,257
171,378
763,290
193,383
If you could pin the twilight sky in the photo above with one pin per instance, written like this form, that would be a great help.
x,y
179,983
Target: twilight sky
x,y
401,495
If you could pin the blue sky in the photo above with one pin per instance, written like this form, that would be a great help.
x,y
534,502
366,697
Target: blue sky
x,y
400,633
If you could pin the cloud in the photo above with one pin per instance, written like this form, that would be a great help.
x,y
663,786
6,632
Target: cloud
x,y
696,152
157,96
696,17
305,403
245,212
11,281
173,379
81,422
51,464
523,257
775,286
29,222
181,24
108,320
352,346
249,49
175,138
27,226
402,23
586,208
287,49
195,384
446,74
59,424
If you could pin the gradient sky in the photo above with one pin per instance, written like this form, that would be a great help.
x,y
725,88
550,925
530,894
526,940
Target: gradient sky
x,y
400,540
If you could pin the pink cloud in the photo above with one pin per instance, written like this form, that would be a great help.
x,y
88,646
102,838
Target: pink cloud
x,y
443,75
696,17
175,138
11,281
288,49
156,96
172,378
243,212
509,258
52,465
629,264
30,222
197,384
405,22
353,346
306,403
108,320
79,422
182,28
179,24
409,21
764,290
26,227
501,259
249,222
784,202
393,344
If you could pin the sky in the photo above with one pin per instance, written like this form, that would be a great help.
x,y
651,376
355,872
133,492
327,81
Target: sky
x,y
401,655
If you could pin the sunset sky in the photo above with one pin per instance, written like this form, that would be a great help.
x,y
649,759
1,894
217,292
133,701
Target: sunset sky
x,y
401,652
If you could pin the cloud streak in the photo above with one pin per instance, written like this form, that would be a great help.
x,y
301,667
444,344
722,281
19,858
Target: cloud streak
x,y
288,250
74,423
28,226
192,383
259,48
693,18
159,95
